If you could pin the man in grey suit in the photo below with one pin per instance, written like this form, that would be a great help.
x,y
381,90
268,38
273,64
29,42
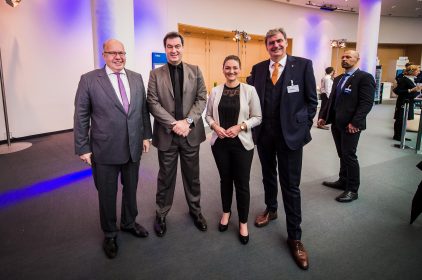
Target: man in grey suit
x,y
176,98
112,128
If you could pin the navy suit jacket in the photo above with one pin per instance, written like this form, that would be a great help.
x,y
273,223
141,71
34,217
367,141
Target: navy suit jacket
x,y
297,109
354,102
101,125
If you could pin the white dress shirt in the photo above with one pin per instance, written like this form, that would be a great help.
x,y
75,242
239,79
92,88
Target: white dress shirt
x,y
326,84
281,67
115,83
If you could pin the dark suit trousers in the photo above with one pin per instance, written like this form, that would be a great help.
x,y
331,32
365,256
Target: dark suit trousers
x,y
272,149
324,101
166,181
234,165
346,145
105,179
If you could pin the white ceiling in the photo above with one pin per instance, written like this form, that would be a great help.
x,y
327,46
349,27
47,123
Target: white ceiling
x,y
398,8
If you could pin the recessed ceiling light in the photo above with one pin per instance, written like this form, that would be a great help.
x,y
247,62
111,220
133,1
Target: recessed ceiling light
x,y
393,6
418,9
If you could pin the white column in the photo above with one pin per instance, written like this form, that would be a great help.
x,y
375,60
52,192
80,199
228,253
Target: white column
x,y
113,19
368,31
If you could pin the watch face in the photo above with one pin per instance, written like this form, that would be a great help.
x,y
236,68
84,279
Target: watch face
x,y
189,120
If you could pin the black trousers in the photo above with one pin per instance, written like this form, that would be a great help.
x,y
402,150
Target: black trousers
x,y
234,165
324,100
398,123
346,145
273,151
106,179
166,181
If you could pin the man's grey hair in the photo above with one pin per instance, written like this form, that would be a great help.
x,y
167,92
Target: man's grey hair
x,y
273,32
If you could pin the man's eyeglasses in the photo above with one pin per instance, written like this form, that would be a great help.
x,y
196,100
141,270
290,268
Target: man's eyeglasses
x,y
114,54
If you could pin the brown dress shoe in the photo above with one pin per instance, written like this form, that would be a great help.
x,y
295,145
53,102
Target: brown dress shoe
x,y
264,218
299,253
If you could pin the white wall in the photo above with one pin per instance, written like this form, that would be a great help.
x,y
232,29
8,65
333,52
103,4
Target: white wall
x,y
49,45
46,46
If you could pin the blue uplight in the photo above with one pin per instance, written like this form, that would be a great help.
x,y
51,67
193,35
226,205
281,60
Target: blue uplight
x,y
14,196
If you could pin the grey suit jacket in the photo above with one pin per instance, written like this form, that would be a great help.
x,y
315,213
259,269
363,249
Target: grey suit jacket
x,y
101,125
250,112
161,104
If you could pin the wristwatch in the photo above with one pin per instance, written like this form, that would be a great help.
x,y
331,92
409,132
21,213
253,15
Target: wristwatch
x,y
189,120
242,126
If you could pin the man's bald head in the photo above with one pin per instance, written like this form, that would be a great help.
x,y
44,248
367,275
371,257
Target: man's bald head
x,y
349,59
114,54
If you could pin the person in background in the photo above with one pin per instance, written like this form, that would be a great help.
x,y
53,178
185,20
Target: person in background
x,y
112,128
406,91
350,102
326,84
233,110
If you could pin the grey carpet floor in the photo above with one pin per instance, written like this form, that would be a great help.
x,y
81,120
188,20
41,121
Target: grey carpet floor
x,y
49,221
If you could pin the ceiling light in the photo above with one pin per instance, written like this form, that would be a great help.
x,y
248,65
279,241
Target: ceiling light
x,y
13,3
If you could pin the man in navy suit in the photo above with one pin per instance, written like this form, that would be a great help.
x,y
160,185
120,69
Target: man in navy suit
x,y
350,101
287,91
112,128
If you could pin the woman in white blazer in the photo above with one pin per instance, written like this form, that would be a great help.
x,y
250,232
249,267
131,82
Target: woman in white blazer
x,y
233,109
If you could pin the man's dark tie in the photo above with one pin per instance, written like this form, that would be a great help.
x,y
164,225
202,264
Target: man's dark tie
x,y
339,87
122,90
178,110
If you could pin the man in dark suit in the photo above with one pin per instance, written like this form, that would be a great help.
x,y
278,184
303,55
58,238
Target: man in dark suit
x,y
112,128
287,91
177,97
350,101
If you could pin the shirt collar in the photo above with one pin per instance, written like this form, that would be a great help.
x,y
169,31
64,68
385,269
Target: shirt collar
x,y
282,62
109,71
351,71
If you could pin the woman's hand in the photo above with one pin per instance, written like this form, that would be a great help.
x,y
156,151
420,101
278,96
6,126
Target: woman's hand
x,y
233,131
221,132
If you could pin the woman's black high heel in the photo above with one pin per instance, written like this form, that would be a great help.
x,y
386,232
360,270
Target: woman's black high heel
x,y
222,227
243,239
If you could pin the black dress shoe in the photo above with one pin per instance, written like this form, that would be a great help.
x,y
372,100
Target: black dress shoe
x,y
347,196
110,247
222,227
160,226
137,230
243,239
199,222
335,185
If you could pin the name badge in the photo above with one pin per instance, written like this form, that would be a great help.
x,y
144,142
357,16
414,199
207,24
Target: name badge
x,y
292,88
347,91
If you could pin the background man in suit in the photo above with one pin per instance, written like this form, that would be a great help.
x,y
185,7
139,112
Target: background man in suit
x,y
177,98
350,101
112,127
287,91
326,85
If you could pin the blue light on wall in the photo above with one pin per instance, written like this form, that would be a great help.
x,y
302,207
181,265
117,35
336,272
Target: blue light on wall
x,y
313,36
12,197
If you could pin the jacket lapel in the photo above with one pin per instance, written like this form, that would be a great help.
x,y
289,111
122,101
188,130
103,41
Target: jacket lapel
x,y
288,74
166,78
133,92
349,81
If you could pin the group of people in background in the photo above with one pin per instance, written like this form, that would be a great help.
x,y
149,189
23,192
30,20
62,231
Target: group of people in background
x,y
409,86
274,110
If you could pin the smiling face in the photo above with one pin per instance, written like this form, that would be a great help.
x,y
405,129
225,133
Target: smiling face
x,y
114,55
231,70
277,46
349,59
174,50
